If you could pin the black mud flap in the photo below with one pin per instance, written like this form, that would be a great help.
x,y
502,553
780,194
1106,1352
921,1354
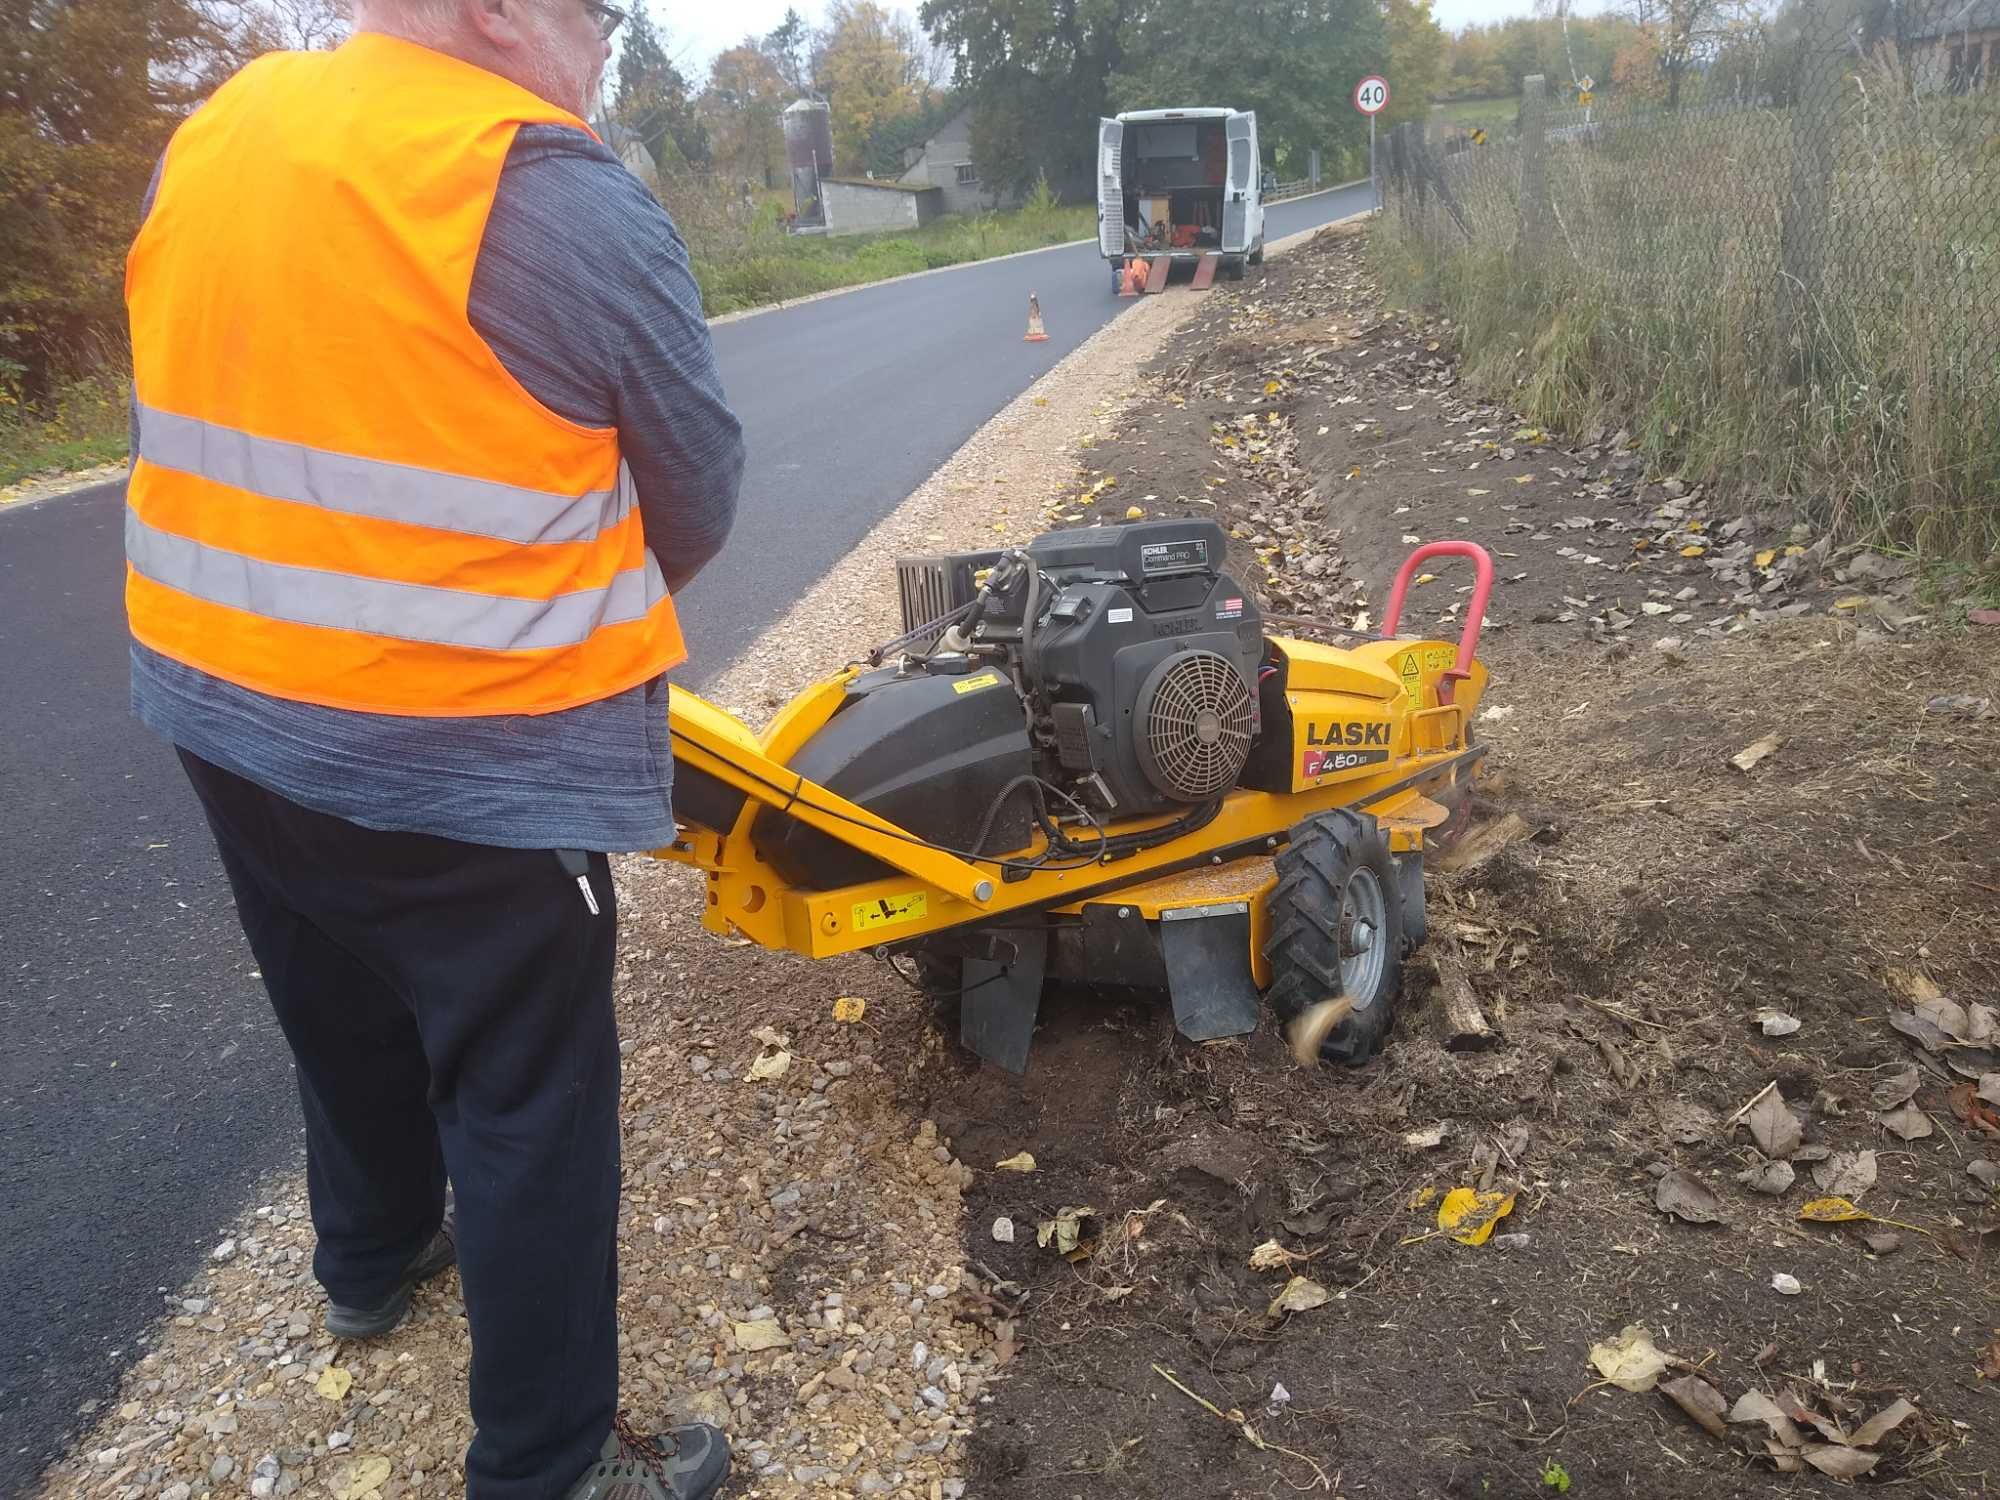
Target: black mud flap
x,y
1207,950
996,1019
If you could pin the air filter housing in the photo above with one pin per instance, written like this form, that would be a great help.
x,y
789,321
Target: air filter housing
x,y
1193,725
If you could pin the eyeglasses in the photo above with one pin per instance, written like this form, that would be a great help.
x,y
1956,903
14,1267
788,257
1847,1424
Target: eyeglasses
x,y
609,19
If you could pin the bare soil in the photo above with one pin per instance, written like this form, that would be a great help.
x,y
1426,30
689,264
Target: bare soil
x,y
1623,949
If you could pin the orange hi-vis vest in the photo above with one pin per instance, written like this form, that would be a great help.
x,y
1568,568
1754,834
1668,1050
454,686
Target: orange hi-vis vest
x,y
340,496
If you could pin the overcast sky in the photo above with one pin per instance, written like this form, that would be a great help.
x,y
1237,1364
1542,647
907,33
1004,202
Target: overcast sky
x,y
699,31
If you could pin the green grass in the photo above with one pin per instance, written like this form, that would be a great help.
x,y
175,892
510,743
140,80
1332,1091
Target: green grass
x,y
1496,115
1655,307
771,266
84,425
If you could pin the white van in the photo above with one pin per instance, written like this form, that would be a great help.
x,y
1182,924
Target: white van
x,y
1180,182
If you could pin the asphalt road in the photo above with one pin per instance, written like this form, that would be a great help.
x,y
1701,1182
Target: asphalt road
x,y
143,1086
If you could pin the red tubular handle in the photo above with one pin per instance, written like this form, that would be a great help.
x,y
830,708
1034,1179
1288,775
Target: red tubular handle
x,y
1475,617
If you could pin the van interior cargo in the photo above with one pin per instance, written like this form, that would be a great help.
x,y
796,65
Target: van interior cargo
x,y
1174,174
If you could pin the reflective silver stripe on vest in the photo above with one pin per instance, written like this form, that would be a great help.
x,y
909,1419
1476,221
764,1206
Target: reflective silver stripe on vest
x,y
374,606
370,487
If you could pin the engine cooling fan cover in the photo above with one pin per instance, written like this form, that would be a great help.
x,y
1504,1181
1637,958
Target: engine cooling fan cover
x,y
1195,721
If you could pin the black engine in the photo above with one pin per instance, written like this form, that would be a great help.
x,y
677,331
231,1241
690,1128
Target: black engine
x,y
1096,675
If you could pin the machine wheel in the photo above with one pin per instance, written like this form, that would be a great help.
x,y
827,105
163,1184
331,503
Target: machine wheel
x,y
1233,268
1257,255
1336,927
1118,279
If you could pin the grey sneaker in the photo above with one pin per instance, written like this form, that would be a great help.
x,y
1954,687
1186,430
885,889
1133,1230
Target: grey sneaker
x,y
688,1463
373,1322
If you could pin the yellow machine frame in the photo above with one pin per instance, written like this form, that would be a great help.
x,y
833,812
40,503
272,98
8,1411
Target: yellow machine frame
x,y
1381,727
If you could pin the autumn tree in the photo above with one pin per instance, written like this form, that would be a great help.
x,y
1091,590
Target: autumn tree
x,y
89,94
1294,63
790,46
652,97
1417,60
741,108
872,76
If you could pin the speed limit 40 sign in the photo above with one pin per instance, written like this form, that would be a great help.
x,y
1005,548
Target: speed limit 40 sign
x,y
1371,95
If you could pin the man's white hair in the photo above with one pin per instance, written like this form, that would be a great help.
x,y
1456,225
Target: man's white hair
x,y
413,20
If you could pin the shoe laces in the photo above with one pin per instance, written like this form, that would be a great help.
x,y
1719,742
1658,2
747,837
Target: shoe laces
x,y
655,1449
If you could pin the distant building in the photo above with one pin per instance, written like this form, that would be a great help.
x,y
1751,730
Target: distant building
x,y
945,162
1961,55
632,151
857,205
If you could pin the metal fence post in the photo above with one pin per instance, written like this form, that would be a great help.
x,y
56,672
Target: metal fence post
x,y
1803,225
1534,167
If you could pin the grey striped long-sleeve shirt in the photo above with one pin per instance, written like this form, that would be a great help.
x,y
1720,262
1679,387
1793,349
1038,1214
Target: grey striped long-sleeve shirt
x,y
583,290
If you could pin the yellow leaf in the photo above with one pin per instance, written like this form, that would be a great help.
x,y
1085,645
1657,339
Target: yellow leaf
x,y
1795,551
1831,1211
1529,435
1353,473
1479,492
1524,479
1021,1161
1423,1197
1427,578
1468,1215
362,1477
768,1066
1041,400
1852,601
1693,551
334,1382
1768,556
1109,482
1272,387
1134,513
849,1008
1697,526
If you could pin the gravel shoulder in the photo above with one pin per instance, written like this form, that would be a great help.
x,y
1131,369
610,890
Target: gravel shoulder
x,y
792,1244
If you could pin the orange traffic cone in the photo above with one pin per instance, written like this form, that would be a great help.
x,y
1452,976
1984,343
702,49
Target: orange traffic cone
x,y
1036,333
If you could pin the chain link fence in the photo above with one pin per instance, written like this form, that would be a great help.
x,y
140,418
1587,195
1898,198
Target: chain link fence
x,y
1778,257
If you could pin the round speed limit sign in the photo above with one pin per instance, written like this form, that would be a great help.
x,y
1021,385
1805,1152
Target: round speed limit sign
x,y
1371,95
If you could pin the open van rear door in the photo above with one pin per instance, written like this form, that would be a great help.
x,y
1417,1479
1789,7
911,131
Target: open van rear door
x,y
1240,193
1110,189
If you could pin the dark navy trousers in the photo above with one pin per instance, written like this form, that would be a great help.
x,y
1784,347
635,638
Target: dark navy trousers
x,y
449,1008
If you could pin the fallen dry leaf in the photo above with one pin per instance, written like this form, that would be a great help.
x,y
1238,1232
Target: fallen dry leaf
x,y
1699,1400
1884,1422
769,1065
1020,1161
1426,1137
1468,1215
1686,1196
1846,1174
1989,1361
1632,1361
1896,1087
1756,1406
334,1382
1773,1126
1773,1177
1065,1230
1983,616
1908,1123
1134,513
1777,1022
1747,758
849,1008
1842,1463
1300,1295
1914,986
1272,1256
359,1477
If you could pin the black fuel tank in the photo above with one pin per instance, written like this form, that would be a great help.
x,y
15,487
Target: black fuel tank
x,y
929,753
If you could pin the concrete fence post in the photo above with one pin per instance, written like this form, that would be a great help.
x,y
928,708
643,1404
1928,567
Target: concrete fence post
x,y
1534,168
1803,225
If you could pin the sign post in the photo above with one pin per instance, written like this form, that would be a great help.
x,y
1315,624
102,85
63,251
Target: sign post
x,y
1371,97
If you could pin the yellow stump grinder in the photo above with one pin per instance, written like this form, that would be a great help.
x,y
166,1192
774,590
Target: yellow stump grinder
x,y
1085,761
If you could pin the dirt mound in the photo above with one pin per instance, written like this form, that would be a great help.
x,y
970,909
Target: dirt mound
x,y
1666,937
